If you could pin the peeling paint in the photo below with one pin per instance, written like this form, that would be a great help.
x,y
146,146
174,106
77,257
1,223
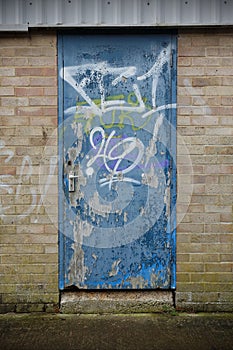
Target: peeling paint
x,y
115,268
142,211
99,208
137,282
116,146
151,150
167,197
151,178
125,217
94,256
77,268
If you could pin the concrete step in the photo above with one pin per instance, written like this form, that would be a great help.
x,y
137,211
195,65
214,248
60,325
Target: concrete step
x,y
96,302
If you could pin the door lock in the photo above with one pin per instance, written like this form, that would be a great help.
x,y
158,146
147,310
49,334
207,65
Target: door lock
x,y
71,178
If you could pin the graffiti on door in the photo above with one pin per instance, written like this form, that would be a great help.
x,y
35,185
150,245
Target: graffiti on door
x,y
117,171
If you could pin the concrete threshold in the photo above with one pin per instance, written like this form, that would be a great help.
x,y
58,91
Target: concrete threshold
x,y
112,302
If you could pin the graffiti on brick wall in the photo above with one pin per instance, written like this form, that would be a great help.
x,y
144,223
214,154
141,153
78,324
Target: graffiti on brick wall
x,y
14,188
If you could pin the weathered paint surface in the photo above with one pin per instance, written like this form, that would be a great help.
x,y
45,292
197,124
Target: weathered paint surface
x,y
117,107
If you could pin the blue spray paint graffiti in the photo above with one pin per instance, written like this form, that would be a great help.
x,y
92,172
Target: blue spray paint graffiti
x,y
117,176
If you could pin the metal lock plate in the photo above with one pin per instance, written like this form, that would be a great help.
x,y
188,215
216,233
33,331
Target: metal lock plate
x,y
72,176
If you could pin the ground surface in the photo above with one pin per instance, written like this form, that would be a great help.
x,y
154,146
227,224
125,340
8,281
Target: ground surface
x,y
97,332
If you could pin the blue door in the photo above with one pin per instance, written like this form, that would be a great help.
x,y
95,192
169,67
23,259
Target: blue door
x,y
117,172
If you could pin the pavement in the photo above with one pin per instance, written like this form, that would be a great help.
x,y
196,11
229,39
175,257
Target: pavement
x,y
100,332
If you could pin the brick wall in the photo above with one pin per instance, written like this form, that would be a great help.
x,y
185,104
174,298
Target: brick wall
x,y
28,192
28,117
205,120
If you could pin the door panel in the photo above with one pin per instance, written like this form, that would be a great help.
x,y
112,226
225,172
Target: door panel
x,y
117,171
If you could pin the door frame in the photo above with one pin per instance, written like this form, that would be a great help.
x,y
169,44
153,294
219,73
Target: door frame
x,y
173,139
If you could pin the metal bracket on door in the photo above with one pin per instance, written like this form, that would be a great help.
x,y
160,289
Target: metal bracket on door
x,y
71,181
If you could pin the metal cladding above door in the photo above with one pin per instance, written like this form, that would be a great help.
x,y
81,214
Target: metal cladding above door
x,y
20,15
117,150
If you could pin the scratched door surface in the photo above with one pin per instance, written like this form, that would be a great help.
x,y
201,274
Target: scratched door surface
x,y
117,161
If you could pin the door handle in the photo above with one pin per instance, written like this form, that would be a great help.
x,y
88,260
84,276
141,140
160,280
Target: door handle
x,y
71,178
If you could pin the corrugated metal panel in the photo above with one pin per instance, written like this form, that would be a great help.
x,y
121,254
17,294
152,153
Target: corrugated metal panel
x,y
22,14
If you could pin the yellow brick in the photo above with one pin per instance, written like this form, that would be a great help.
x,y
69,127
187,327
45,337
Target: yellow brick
x,y
15,61
183,278
205,297
218,267
206,61
189,287
190,267
207,40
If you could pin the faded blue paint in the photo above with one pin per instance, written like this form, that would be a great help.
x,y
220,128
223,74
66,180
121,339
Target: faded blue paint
x,y
116,229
